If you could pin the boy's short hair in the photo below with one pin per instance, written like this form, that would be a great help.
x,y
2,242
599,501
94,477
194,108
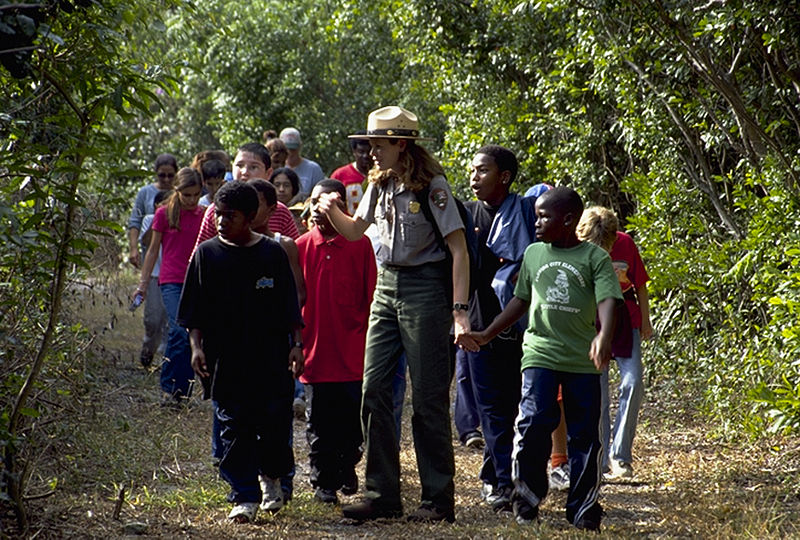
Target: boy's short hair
x,y
505,159
259,150
333,186
564,199
266,189
213,168
238,196
161,196
598,225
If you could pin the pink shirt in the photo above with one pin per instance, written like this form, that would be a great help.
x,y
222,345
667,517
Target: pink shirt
x,y
177,244
340,279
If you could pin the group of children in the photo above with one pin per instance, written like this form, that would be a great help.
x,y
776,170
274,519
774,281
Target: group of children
x,y
250,309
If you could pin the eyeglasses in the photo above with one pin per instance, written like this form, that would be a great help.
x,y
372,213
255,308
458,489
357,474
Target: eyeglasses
x,y
166,175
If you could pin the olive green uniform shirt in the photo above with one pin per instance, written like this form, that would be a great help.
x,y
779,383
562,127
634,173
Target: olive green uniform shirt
x,y
406,237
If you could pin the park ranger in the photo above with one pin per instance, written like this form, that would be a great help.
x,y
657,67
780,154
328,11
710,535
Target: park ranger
x,y
412,311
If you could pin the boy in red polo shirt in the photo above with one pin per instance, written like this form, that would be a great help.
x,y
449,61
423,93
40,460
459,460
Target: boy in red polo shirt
x,y
340,278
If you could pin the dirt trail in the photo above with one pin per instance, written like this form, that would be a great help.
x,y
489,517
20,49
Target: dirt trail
x,y
685,484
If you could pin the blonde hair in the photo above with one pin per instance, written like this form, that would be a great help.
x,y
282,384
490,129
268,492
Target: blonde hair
x,y
186,178
418,164
598,225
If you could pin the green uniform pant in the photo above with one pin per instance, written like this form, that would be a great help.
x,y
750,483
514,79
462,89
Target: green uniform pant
x,y
411,313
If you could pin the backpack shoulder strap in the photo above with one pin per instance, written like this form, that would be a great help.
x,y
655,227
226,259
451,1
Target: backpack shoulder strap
x,y
423,198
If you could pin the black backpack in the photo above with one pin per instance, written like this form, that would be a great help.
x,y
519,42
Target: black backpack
x,y
423,198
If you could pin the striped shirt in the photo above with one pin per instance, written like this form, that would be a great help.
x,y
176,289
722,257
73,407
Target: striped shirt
x,y
281,222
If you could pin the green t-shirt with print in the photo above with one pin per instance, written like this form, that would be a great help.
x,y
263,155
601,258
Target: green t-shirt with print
x,y
563,286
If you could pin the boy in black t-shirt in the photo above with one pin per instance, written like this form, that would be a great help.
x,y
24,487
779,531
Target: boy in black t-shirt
x,y
239,303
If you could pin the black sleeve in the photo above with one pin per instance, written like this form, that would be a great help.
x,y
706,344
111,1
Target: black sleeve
x,y
190,309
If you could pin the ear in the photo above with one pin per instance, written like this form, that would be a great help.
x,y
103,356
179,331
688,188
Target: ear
x,y
402,143
505,177
268,173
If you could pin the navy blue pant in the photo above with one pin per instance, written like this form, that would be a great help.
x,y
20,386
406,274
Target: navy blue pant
x,y
539,415
493,373
255,439
465,413
333,431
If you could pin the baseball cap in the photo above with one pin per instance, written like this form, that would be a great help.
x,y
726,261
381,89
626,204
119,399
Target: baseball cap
x,y
290,137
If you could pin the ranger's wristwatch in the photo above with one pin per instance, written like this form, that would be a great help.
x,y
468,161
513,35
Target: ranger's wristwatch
x,y
460,307
298,344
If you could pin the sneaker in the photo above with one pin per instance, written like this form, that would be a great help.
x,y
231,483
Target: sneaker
x,y
474,440
327,496
620,469
299,408
368,509
350,484
524,513
487,490
428,513
146,358
558,478
590,520
244,512
500,500
272,496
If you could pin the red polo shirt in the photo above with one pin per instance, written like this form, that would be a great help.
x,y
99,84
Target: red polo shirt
x,y
340,279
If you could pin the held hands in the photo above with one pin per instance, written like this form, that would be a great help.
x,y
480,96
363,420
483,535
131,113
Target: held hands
x,y
464,337
296,361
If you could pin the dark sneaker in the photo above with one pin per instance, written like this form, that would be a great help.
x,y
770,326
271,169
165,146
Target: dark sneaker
x,y
524,513
590,520
501,499
146,358
474,440
350,484
327,496
427,513
369,509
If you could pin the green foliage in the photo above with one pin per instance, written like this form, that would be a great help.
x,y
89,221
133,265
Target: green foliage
x,y
58,206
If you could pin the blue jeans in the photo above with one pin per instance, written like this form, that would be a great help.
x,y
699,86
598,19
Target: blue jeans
x,y
539,414
177,375
617,444
494,376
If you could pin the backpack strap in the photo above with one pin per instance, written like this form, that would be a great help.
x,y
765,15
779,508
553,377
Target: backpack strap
x,y
423,198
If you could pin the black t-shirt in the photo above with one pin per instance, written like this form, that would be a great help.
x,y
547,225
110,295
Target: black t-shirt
x,y
244,301
484,305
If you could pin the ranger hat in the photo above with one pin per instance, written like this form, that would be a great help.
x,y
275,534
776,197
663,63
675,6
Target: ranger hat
x,y
391,122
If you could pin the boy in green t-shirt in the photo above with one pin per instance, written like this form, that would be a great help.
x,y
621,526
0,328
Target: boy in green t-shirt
x,y
564,285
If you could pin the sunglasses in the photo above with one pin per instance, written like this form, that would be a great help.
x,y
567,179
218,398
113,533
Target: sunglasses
x,y
166,175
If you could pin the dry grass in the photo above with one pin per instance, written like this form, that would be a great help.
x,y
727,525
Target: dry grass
x,y
686,485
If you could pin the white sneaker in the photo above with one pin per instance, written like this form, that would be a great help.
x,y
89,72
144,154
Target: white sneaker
x,y
271,494
620,469
244,512
558,477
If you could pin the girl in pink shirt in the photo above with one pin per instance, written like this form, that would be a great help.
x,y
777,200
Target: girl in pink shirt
x,y
175,227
